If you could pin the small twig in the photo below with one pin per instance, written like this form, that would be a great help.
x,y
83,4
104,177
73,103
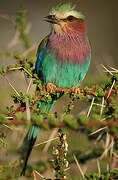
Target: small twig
x,y
107,149
99,137
11,86
114,68
54,132
115,154
107,140
90,107
36,174
9,117
107,69
27,71
101,111
46,141
28,88
107,166
27,102
67,169
98,166
27,109
106,118
111,150
111,89
98,130
112,71
77,163
98,104
14,69
7,126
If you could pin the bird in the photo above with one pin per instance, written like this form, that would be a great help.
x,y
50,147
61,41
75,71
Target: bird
x,y
63,57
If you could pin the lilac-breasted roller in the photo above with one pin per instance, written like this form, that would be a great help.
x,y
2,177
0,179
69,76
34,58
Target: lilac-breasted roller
x,y
63,57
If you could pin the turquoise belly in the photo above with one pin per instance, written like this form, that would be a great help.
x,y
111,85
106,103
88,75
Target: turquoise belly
x,y
62,74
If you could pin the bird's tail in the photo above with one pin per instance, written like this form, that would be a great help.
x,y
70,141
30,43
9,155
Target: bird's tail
x,y
29,142
32,134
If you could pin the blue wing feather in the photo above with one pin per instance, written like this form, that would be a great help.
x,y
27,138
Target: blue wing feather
x,y
41,50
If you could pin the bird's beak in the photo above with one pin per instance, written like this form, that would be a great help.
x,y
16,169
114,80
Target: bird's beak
x,y
51,19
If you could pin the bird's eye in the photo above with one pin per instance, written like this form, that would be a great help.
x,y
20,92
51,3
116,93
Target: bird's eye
x,y
70,18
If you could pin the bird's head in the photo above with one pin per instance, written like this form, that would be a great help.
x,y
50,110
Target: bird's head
x,y
65,19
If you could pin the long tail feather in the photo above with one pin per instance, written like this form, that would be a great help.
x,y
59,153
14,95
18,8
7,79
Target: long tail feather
x,y
33,133
27,156
29,142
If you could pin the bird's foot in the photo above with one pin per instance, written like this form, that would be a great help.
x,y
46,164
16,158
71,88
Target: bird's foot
x,y
76,90
50,87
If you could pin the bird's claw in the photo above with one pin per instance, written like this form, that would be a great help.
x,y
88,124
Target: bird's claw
x,y
76,90
50,87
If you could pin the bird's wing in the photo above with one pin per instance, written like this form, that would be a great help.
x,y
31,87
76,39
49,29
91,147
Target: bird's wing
x,y
41,49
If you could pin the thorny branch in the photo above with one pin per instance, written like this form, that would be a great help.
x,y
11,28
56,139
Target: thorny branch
x,y
46,90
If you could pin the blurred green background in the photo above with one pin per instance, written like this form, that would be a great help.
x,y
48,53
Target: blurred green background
x,y
102,28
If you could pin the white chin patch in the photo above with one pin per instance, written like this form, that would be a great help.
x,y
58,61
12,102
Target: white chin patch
x,y
57,28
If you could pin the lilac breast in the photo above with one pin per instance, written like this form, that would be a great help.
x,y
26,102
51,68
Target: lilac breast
x,y
73,48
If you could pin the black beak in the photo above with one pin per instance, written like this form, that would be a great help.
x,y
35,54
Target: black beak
x,y
51,19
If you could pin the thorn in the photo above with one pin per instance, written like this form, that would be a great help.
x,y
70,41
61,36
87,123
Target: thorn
x,y
27,109
37,174
115,70
115,154
107,146
11,85
98,166
27,71
107,167
106,118
101,111
112,71
90,107
28,88
77,163
99,137
107,140
111,89
107,69
98,130
98,104
9,117
46,141
7,126
53,134
67,169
